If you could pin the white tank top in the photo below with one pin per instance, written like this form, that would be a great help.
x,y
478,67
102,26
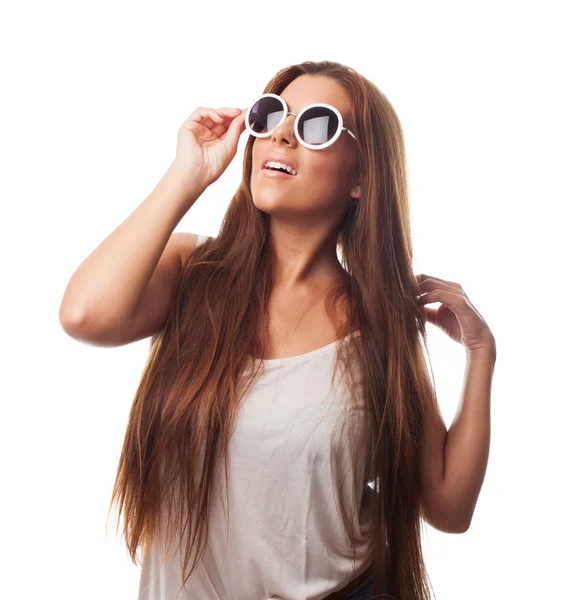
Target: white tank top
x,y
285,538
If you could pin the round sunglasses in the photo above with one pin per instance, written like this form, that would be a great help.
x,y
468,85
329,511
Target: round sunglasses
x,y
316,126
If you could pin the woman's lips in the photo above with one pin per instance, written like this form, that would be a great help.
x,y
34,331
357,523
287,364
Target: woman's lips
x,y
276,174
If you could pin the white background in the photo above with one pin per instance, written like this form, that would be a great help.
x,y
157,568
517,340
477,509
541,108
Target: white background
x,y
490,99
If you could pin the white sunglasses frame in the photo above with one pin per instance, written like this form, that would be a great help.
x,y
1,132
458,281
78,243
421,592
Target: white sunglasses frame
x,y
335,137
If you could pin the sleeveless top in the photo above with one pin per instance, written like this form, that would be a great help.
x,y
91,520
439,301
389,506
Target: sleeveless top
x,y
288,464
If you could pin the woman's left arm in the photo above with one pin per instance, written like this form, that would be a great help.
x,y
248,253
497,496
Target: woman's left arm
x,y
466,449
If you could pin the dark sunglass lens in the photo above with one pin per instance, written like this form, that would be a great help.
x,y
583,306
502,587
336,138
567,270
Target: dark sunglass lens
x,y
318,125
265,114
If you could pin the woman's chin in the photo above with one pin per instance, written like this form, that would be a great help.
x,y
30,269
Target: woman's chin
x,y
268,202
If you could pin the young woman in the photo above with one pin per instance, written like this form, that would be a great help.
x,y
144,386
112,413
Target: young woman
x,y
285,440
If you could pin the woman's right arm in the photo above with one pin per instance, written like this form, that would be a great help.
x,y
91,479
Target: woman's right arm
x,y
122,291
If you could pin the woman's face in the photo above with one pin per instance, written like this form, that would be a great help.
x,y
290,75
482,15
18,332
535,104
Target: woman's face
x,y
324,180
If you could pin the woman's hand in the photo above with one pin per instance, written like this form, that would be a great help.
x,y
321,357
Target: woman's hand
x,y
207,142
457,316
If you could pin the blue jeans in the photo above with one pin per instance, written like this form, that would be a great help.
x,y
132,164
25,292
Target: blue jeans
x,y
364,591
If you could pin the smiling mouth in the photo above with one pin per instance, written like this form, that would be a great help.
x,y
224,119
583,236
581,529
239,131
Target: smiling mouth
x,y
282,169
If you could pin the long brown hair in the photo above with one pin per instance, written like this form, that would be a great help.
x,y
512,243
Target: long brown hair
x,y
186,403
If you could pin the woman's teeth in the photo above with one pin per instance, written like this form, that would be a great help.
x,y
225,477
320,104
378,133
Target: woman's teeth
x,y
276,165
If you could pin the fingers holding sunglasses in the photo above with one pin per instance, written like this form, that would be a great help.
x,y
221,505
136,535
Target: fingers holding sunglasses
x,y
207,142
215,121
